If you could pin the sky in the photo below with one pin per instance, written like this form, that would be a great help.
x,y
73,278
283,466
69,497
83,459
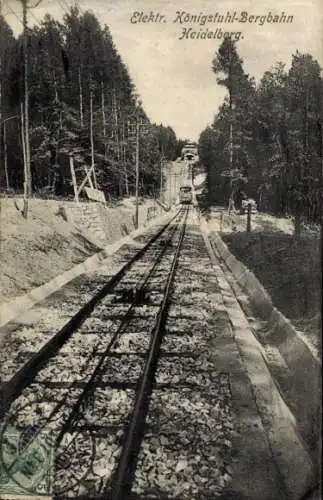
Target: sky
x,y
173,76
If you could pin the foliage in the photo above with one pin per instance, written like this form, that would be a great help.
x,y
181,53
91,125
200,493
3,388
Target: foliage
x,y
71,64
276,136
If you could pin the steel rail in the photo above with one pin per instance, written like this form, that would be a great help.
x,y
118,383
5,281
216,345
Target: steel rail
x,y
88,384
11,389
121,483
104,357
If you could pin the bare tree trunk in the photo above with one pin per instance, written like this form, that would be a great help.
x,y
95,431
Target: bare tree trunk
x,y
231,199
231,146
1,39
22,132
104,121
116,123
4,124
260,200
53,184
80,97
124,159
137,173
76,194
91,138
306,122
25,208
161,178
55,88
297,226
5,154
57,137
27,171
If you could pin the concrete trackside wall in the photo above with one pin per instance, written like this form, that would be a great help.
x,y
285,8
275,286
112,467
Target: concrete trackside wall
x,y
288,447
300,383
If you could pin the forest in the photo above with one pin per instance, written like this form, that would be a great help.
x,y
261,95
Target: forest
x,y
266,139
82,104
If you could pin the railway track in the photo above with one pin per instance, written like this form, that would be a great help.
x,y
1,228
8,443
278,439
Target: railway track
x,y
131,399
51,391
20,364
125,401
186,448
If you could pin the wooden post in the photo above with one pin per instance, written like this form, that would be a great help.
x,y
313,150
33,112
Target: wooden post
x,y
249,218
86,179
88,172
76,196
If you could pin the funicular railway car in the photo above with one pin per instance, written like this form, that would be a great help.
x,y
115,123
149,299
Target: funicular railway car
x,y
185,195
189,152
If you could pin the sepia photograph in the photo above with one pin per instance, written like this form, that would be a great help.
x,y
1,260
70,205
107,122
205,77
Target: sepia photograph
x,y
161,194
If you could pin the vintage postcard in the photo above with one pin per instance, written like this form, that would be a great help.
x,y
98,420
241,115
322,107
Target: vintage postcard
x,y
161,190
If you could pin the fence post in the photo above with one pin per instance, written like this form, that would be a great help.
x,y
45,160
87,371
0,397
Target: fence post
x,y
249,218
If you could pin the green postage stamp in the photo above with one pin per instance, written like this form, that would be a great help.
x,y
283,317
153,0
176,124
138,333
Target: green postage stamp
x,y
25,464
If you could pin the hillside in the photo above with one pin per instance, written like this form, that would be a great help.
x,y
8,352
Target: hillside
x,y
35,250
